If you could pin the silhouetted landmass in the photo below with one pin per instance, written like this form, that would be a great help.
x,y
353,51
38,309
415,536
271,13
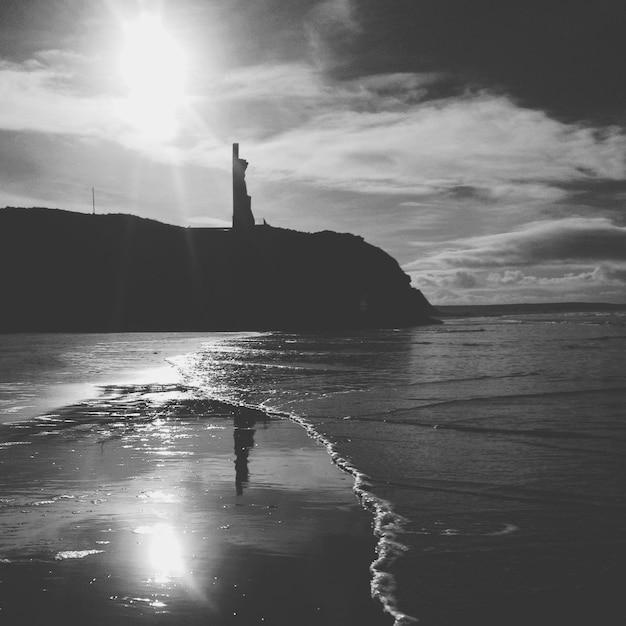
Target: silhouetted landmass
x,y
494,310
75,272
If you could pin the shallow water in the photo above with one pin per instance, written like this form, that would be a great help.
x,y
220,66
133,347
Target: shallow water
x,y
501,442
151,505
491,451
39,372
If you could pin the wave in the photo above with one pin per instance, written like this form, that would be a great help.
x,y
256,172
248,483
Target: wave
x,y
508,397
75,554
607,338
447,381
450,331
388,525
543,433
602,453
453,532
511,493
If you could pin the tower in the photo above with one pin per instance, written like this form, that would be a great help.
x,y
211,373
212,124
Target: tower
x,y
243,218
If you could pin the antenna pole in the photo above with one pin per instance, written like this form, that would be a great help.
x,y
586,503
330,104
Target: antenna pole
x,y
93,200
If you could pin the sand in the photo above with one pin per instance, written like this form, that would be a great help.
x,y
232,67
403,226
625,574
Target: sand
x,y
154,507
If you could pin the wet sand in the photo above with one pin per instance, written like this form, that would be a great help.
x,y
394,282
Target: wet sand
x,y
151,506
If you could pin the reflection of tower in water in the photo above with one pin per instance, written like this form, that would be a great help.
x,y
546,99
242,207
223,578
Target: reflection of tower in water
x,y
244,442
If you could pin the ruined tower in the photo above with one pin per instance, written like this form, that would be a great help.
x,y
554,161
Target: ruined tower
x,y
242,212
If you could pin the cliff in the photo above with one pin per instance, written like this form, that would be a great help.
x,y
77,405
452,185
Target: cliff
x,y
63,271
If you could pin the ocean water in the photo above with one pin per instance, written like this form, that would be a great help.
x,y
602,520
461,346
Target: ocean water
x,y
491,452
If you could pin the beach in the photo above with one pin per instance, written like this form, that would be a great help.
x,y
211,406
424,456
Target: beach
x,y
150,505
470,474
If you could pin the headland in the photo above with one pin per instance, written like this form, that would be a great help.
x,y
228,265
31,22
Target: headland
x,y
75,272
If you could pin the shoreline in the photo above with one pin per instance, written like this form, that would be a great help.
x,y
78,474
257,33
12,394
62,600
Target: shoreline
x,y
41,373
150,505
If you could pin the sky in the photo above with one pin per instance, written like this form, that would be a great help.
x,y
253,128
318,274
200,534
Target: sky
x,y
482,144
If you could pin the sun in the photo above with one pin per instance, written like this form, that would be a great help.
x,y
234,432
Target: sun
x,y
153,66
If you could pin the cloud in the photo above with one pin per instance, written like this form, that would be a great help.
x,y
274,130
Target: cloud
x,y
613,273
518,278
568,240
569,259
281,82
458,279
484,142
509,279
330,26
338,15
600,283
38,98
375,134
34,97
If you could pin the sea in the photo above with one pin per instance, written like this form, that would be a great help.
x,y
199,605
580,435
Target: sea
x,y
490,452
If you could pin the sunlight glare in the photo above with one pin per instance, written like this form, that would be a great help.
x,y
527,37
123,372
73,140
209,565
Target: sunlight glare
x,y
153,66
164,553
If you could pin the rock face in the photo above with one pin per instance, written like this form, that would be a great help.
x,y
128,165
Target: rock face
x,y
62,271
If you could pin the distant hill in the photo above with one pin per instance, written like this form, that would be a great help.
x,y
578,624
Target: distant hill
x,y
494,310
64,271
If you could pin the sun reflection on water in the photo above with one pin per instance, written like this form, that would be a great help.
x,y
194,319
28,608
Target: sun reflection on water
x,y
164,553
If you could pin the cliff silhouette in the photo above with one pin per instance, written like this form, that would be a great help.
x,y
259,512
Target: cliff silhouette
x,y
75,272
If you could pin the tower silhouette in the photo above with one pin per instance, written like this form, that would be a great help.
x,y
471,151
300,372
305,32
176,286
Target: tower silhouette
x,y
243,218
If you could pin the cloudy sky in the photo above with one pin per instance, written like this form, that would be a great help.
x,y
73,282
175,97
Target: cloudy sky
x,y
480,143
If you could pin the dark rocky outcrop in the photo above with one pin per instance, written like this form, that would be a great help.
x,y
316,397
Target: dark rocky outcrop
x,y
63,271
